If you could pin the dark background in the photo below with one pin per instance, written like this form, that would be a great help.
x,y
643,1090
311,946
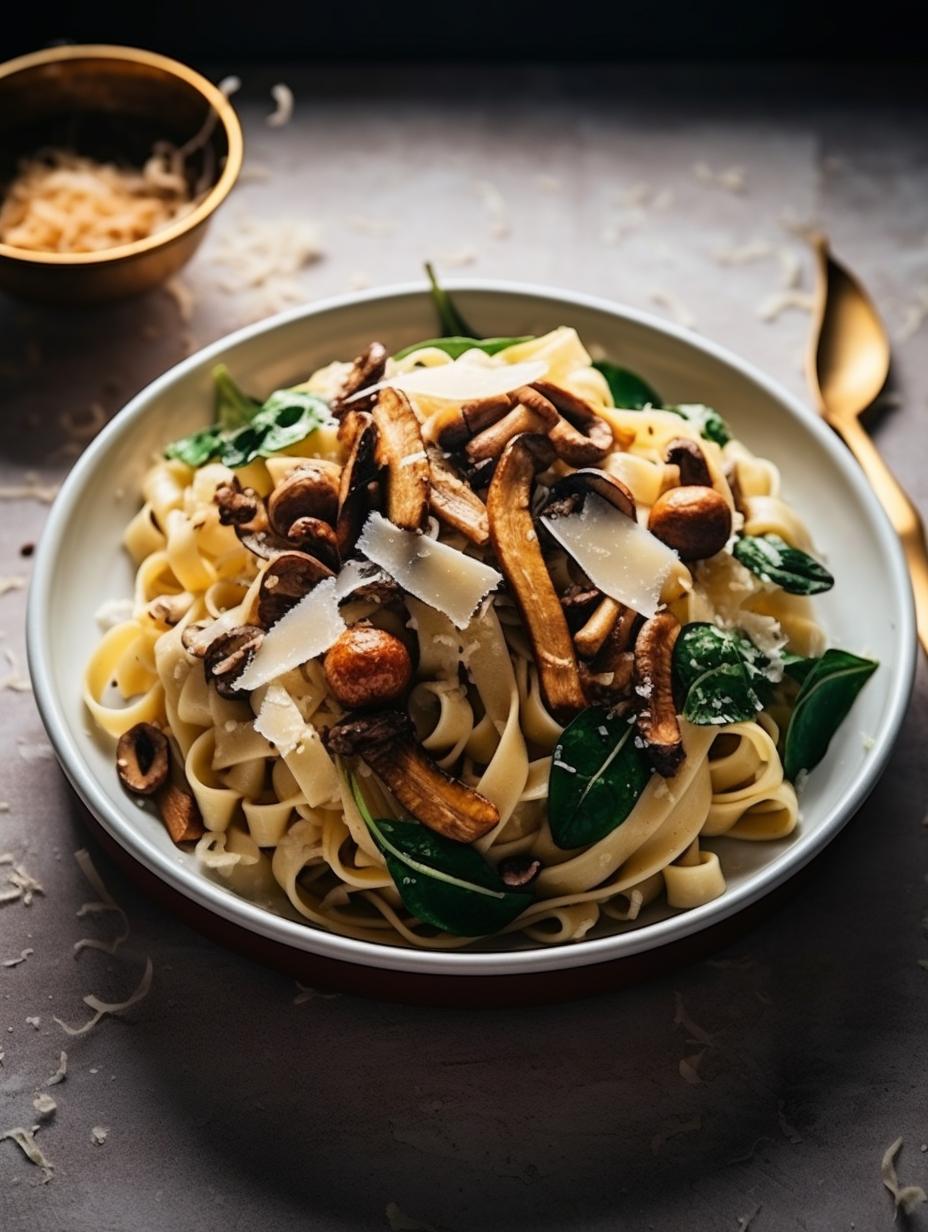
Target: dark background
x,y
478,30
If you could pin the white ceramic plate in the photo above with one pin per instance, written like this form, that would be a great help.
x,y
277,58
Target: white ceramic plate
x,y
79,563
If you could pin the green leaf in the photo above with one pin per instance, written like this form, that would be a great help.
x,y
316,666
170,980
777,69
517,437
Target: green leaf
x,y
720,675
233,408
773,560
287,417
823,702
629,392
443,883
711,425
197,449
450,321
597,774
457,346
797,667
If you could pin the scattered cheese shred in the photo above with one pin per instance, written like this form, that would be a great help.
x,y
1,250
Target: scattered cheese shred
x,y
462,381
20,885
102,1008
61,1072
689,1069
906,1197
14,962
32,489
99,1134
44,1105
106,903
14,582
283,112
693,1030
439,575
773,307
304,633
624,560
675,306
25,1140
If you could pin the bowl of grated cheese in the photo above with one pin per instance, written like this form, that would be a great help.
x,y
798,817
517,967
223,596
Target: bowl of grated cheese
x,y
112,162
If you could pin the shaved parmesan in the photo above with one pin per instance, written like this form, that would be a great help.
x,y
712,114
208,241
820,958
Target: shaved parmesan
x,y
304,633
462,382
439,575
355,574
624,560
279,719
25,1140
61,1072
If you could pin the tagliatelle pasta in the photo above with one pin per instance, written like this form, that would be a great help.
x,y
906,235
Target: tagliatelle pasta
x,y
549,767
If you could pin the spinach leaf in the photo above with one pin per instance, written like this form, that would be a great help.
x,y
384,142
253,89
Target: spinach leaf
x,y
711,425
457,346
720,675
629,392
797,667
450,321
826,696
443,883
287,417
233,409
197,449
773,560
597,774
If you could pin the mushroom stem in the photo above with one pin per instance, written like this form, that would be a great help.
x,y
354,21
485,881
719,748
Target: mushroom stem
x,y
656,714
591,637
491,442
690,462
515,541
401,451
385,741
454,503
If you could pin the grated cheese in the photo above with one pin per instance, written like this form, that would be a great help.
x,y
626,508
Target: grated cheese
x,y
183,297
99,1134
495,205
283,112
689,1069
61,1072
682,1019
106,903
906,1197
32,489
102,1008
773,307
620,557
25,1140
732,179
439,575
44,1105
304,633
13,582
743,254
675,306
14,962
20,885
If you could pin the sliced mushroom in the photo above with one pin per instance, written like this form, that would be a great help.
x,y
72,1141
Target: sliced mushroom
x,y
401,452
309,491
568,493
454,428
453,502
385,741
580,436
354,497
491,442
590,638
287,579
240,507
367,369
515,541
656,713
180,814
228,656
617,643
143,759
690,461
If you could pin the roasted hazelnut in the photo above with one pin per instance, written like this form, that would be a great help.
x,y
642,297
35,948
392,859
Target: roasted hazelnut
x,y
142,759
367,666
694,521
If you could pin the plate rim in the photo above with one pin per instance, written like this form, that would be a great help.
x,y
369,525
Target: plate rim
x,y
213,897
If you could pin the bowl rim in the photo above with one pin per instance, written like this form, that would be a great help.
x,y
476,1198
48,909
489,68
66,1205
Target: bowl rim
x,y
207,894
218,192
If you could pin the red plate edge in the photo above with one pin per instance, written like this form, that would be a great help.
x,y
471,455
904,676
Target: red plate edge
x,y
442,991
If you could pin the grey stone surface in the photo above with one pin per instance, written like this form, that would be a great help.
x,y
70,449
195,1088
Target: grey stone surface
x,y
231,1107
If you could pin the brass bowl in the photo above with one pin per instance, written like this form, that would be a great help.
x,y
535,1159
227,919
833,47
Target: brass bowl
x,y
110,103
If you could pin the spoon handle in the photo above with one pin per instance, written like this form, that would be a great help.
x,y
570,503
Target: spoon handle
x,y
902,513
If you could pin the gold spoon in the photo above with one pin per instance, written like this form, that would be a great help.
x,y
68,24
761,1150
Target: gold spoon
x,y
848,362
